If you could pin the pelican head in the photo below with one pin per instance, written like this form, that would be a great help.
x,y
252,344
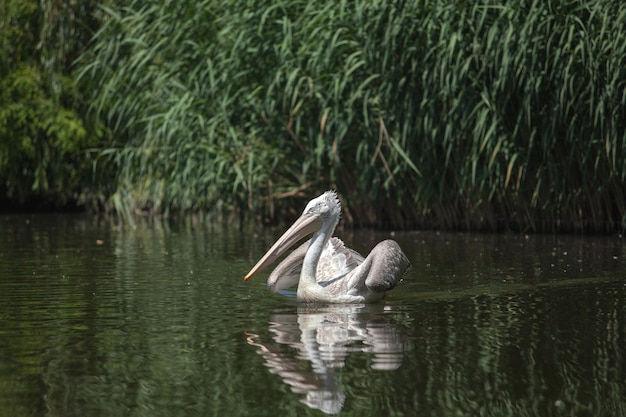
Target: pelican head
x,y
325,207
323,211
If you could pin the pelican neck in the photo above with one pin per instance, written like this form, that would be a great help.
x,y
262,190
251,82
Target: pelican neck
x,y
314,253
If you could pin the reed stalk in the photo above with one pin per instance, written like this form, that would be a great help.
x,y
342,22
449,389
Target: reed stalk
x,y
483,115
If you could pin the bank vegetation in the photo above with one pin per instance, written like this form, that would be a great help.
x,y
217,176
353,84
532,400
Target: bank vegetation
x,y
454,115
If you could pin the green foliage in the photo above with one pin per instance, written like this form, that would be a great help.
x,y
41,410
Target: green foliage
x,y
447,114
533,125
35,137
44,143
453,115
163,79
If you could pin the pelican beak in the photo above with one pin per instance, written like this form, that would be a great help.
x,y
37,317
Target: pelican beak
x,y
303,227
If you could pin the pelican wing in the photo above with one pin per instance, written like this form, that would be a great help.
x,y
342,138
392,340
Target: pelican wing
x,y
387,265
382,270
336,262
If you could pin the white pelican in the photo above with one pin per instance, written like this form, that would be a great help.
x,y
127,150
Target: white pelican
x,y
324,269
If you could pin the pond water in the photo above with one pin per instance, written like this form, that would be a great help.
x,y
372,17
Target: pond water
x,y
99,319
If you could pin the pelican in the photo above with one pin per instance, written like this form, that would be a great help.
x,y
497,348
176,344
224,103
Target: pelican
x,y
323,268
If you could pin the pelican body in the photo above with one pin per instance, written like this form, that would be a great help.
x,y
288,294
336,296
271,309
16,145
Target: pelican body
x,y
323,268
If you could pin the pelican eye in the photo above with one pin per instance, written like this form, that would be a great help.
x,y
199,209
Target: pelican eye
x,y
313,209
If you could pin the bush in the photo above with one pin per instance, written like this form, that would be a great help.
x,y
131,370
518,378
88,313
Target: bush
x,y
45,157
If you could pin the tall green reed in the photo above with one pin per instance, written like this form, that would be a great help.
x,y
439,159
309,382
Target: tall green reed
x,y
452,115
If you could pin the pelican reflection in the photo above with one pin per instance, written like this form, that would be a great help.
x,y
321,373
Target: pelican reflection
x,y
324,336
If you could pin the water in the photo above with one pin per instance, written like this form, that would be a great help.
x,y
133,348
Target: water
x,y
98,319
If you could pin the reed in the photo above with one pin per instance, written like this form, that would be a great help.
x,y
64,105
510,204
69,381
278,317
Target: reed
x,y
450,115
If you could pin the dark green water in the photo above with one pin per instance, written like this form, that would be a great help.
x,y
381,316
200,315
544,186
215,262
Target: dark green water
x,y
102,320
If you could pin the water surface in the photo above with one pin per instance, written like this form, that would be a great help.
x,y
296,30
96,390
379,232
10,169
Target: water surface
x,y
98,319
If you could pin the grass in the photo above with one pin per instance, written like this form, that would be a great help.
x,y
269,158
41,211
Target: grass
x,y
449,115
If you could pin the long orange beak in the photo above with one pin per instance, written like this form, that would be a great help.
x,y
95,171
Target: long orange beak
x,y
303,227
